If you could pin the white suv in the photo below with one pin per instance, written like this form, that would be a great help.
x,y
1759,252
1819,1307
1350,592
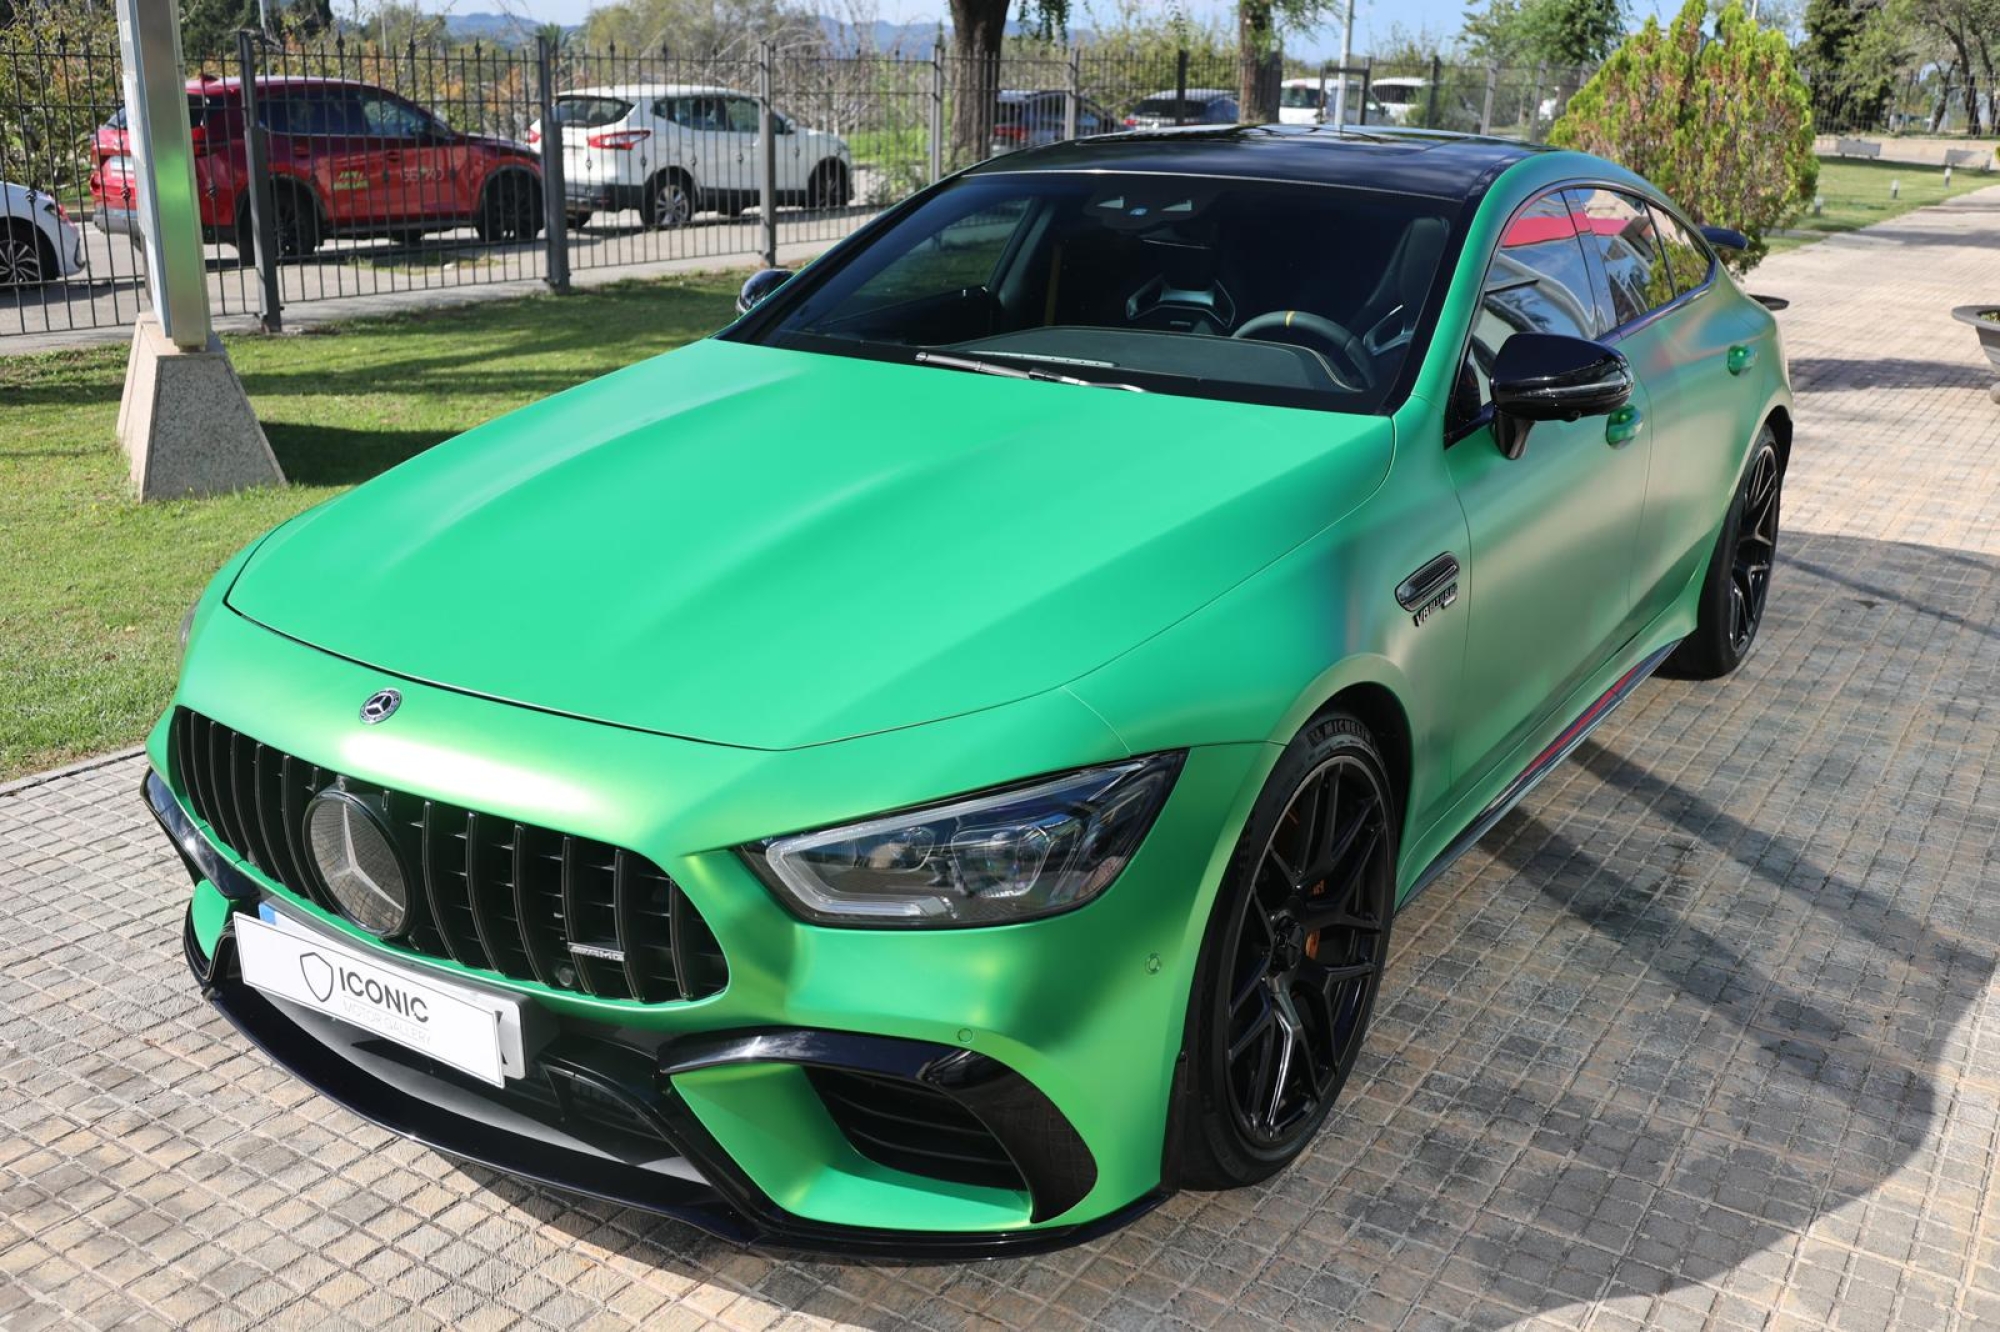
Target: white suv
x,y
673,150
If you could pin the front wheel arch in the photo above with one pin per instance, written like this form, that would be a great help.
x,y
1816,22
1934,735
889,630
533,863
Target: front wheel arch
x,y
1376,707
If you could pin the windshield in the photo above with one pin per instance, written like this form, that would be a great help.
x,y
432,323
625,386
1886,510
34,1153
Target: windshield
x,y
1297,96
1290,294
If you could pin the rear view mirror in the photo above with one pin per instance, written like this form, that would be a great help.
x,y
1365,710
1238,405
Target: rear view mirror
x,y
759,285
1553,377
1726,238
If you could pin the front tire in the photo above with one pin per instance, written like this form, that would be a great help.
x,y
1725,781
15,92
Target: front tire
x,y
1738,584
1292,960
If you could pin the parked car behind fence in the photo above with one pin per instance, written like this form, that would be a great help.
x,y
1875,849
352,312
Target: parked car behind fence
x,y
672,150
410,168
346,158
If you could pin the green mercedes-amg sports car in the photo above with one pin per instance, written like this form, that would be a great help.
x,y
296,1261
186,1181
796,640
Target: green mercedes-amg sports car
x,y
933,767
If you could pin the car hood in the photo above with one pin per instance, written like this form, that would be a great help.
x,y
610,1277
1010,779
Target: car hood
x,y
774,549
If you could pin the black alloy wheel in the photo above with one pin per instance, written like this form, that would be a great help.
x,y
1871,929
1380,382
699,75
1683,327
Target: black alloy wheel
x,y
1294,959
1756,549
1733,596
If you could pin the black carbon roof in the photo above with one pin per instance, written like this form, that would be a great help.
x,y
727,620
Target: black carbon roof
x,y
1427,162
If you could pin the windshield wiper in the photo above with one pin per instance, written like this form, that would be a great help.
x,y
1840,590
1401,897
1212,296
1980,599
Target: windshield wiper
x,y
977,367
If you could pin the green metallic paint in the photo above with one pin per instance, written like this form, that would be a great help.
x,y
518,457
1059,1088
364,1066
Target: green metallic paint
x,y
975,580
700,527
210,912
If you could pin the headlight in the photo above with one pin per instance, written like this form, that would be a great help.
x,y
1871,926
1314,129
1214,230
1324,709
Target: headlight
x,y
987,859
187,625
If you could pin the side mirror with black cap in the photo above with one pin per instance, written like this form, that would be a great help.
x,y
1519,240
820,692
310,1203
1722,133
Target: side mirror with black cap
x,y
759,285
1553,377
1726,238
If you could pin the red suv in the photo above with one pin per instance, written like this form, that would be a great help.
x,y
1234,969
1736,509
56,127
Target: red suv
x,y
347,159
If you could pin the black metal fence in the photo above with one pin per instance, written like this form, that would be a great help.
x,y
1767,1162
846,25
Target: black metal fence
x,y
1931,102
342,171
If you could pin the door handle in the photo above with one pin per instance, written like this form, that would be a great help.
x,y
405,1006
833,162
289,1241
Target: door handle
x,y
1741,357
1622,426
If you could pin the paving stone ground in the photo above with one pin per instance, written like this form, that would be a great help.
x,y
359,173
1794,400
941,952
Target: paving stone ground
x,y
1706,1035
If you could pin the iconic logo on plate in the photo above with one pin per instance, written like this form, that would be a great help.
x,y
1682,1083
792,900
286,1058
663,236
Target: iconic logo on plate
x,y
381,706
318,973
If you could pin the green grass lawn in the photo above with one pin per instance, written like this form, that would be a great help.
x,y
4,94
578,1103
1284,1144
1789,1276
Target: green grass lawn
x,y
1857,195
93,585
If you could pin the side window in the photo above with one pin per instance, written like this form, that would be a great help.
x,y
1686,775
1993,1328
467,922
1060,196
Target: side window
x,y
1635,274
392,118
1688,258
962,255
695,113
332,112
1539,282
742,115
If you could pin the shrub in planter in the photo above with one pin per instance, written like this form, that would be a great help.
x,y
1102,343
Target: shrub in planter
x,y
1723,124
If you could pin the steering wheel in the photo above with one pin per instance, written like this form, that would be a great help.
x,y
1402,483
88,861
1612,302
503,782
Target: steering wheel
x,y
1321,332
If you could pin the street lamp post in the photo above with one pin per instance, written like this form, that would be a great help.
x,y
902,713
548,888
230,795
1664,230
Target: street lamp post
x,y
1346,55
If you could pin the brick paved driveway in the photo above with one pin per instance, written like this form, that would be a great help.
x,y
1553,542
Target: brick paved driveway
x,y
1703,1036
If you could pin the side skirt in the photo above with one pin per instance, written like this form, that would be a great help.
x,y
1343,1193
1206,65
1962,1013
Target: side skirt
x,y
1530,776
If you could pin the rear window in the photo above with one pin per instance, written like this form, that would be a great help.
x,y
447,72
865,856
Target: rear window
x,y
591,112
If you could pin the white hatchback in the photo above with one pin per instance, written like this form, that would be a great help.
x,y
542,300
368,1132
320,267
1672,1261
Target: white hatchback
x,y
38,242
673,150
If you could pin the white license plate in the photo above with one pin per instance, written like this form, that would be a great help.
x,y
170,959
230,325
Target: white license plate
x,y
467,1029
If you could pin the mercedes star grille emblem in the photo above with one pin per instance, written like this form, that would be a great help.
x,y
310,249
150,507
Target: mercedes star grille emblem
x,y
381,706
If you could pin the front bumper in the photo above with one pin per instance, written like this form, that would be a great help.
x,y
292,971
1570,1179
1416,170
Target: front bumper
x,y
1060,1036
671,1165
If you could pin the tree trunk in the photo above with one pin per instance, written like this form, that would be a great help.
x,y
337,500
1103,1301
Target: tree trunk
x,y
1963,51
1256,68
973,82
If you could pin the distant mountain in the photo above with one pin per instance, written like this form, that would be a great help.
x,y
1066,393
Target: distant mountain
x,y
498,29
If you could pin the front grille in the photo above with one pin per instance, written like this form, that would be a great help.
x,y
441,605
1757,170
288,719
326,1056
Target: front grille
x,y
907,1126
526,902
